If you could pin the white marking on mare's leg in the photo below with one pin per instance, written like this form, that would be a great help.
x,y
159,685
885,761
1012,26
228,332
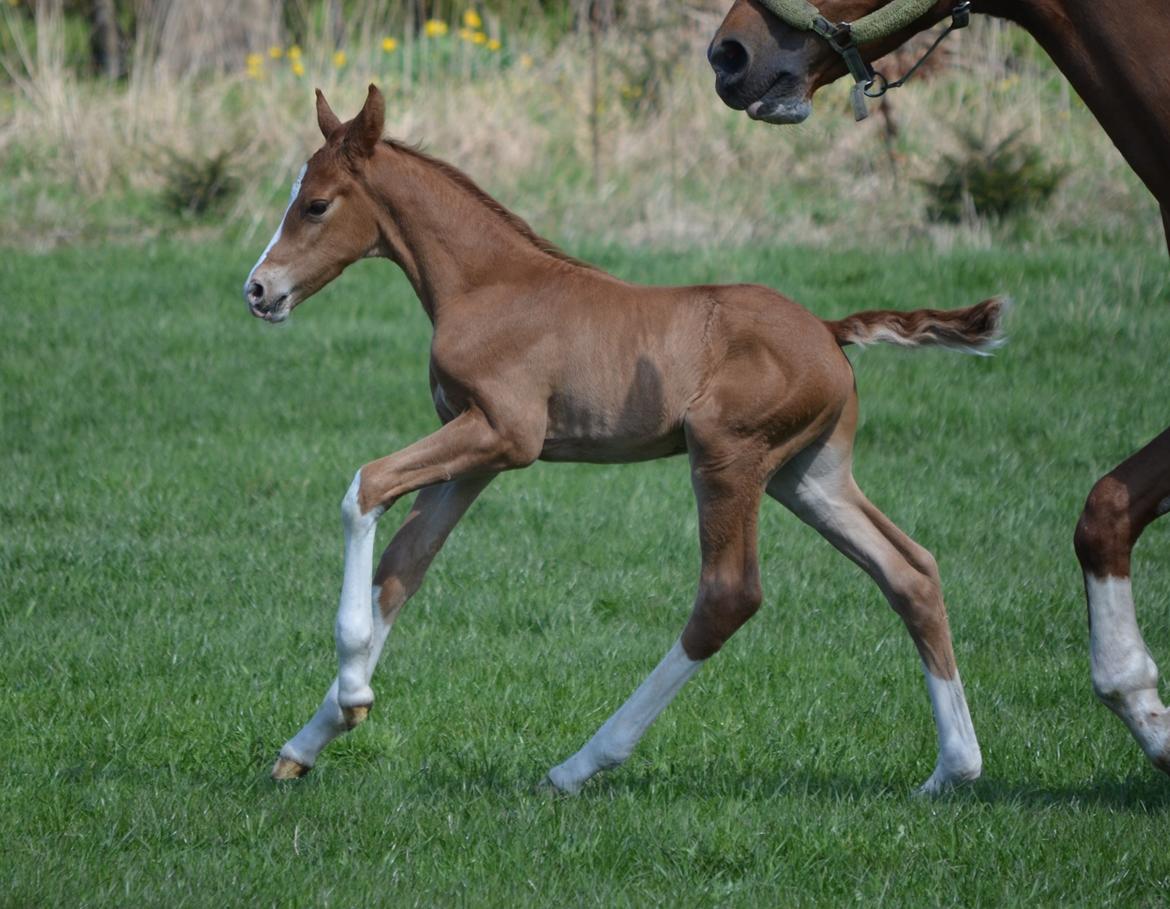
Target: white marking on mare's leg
x,y
615,740
354,628
959,757
329,722
292,197
1125,676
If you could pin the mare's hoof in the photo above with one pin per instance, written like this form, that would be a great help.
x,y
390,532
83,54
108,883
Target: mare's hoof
x,y
287,769
355,716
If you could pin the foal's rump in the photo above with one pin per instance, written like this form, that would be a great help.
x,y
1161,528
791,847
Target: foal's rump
x,y
976,329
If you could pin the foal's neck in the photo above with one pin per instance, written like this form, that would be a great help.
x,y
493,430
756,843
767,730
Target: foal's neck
x,y
448,235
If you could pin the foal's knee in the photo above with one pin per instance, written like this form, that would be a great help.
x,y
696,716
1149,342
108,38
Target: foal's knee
x,y
720,609
353,519
1103,539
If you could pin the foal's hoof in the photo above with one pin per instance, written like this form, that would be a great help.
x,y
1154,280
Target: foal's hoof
x,y
942,782
548,789
558,783
355,716
288,769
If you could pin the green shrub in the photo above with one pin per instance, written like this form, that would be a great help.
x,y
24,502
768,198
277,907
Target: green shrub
x,y
198,184
995,181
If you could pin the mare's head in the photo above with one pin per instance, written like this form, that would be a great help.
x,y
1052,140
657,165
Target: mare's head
x,y
331,219
772,70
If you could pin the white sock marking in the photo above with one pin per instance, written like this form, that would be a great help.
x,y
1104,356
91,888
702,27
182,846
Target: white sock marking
x,y
1121,664
354,629
615,740
959,757
328,723
1125,676
292,197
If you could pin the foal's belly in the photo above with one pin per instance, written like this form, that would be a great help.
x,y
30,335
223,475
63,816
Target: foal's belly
x,y
629,427
613,450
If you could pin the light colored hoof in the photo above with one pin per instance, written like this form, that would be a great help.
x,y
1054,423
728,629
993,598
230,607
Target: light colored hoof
x,y
557,782
287,769
355,716
549,789
942,782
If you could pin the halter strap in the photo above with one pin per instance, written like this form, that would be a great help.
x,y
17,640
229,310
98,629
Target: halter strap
x,y
881,23
846,37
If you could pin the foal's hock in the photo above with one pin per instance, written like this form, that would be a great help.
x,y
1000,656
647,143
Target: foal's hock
x,y
537,355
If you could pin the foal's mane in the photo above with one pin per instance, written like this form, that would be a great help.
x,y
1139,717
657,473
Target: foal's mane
x,y
518,224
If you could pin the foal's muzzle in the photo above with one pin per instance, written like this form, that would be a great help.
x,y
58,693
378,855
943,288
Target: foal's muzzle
x,y
261,307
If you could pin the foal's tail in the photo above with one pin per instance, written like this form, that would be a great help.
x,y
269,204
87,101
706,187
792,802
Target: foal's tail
x,y
977,329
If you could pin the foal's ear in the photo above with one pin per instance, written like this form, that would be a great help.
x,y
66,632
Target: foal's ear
x,y
326,119
364,131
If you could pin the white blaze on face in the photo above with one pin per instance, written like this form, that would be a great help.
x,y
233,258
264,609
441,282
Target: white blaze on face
x,y
292,197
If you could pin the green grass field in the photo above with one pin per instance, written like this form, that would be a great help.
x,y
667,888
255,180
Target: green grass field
x,y
170,557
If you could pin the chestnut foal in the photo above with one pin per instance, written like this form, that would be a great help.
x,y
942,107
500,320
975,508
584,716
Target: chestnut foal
x,y
537,355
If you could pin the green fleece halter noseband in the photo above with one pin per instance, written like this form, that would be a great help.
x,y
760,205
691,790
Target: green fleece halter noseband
x,y
881,23
845,37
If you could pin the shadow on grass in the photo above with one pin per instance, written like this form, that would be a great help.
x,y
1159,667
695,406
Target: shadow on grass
x,y
1144,792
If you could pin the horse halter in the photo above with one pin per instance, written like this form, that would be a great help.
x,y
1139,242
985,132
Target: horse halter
x,y
846,38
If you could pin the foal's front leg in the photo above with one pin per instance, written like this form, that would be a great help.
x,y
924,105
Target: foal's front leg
x,y
434,514
468,449
468,446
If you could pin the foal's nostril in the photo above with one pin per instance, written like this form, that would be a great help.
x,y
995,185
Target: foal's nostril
x,y
729,59
255,292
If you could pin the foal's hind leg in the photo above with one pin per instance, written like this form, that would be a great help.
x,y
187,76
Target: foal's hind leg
x,y
729,594
435,512
818,486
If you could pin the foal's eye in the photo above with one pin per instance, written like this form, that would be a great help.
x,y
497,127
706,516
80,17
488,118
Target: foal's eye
x,y
317,207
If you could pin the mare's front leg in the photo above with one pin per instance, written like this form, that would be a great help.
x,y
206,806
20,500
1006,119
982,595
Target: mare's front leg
x,y
1125,677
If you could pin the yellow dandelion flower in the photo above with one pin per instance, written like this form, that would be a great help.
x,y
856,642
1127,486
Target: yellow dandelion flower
x,y
471,19
254,61
339,59
465,34
478,38
526,61
294,52
435,28
389,45
275,52
298,68
493,44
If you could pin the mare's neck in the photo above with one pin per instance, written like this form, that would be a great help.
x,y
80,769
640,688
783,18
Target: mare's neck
x,y
1114,54
447,238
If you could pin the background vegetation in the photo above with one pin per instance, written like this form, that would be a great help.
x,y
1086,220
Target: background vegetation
x,y
636,149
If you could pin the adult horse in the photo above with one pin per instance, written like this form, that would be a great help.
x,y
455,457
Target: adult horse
x,y
770,57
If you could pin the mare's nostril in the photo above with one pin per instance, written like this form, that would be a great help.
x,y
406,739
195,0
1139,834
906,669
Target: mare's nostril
x,y
729,59
255,292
